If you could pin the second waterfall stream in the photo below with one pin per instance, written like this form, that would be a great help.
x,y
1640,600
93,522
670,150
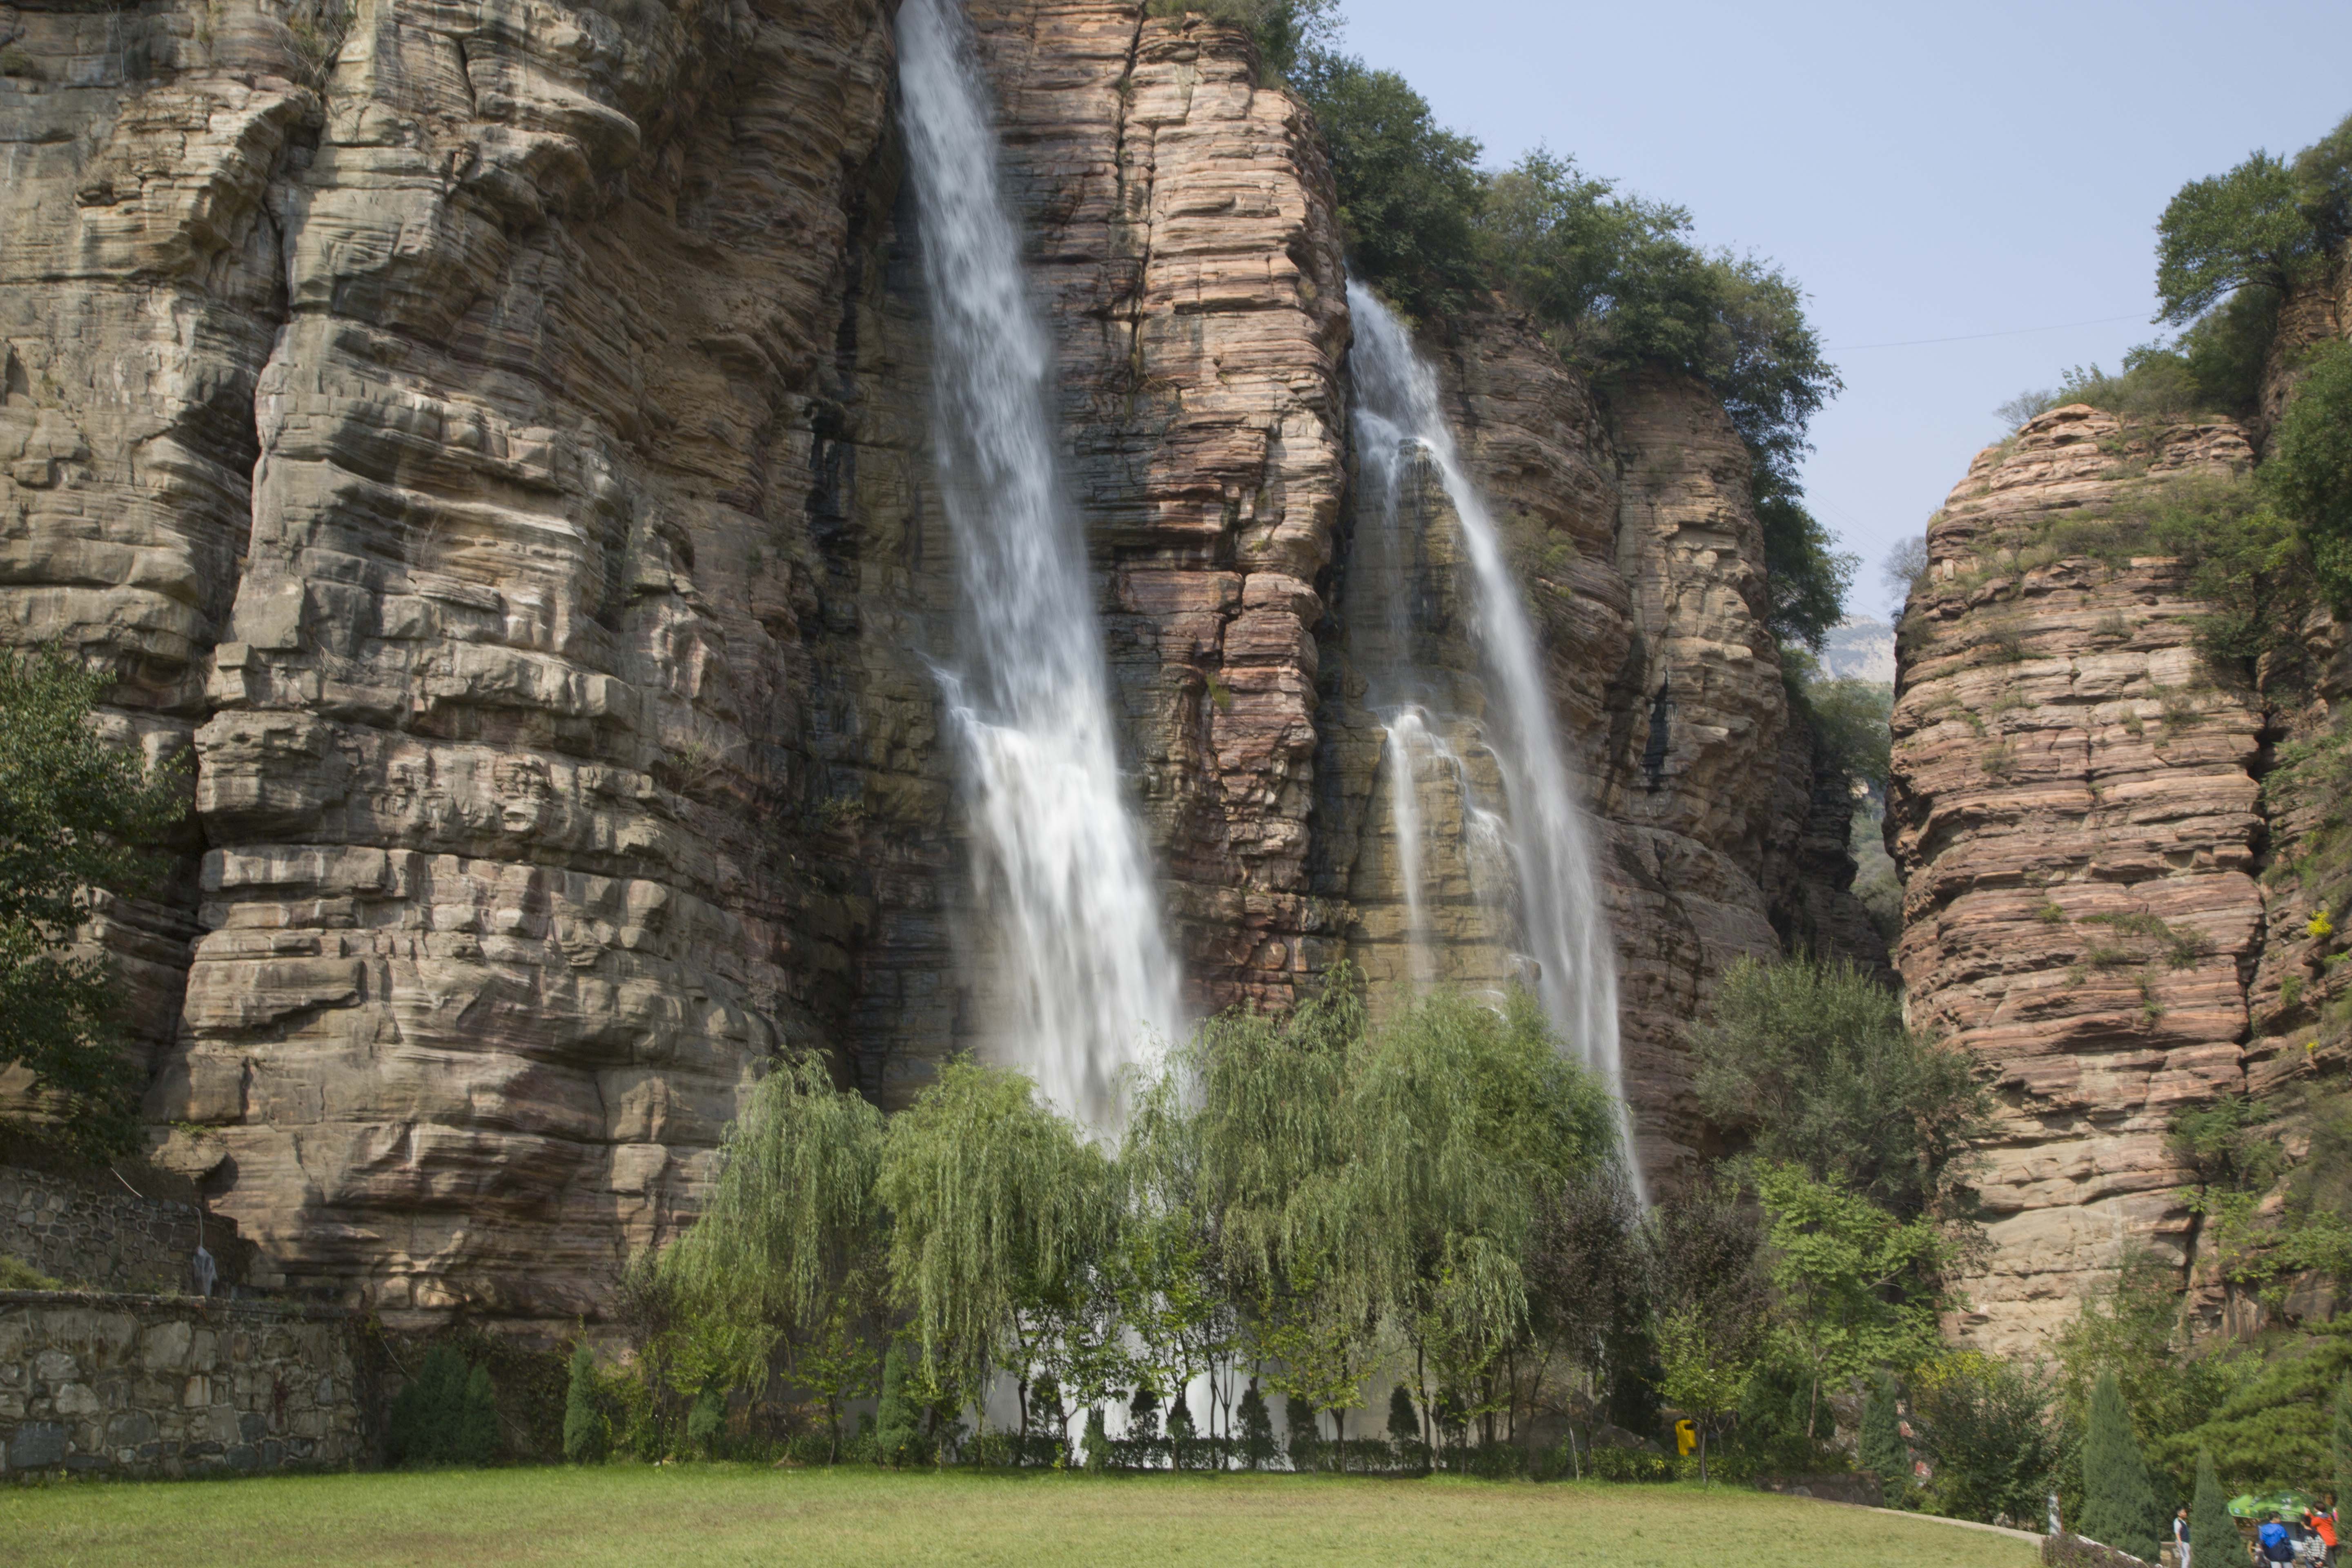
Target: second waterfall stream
x,y
1076,971
1561,925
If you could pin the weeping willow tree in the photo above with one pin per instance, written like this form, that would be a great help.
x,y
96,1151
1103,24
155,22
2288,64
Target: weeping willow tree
x,y
1173,1290
1261,1100
1464,1122
1000,1215
787,1253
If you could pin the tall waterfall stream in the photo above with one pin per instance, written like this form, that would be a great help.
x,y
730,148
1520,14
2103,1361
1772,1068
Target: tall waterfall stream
x,y
1555,889
1077,977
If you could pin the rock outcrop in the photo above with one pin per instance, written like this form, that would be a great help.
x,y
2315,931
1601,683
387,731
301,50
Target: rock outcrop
x,y
492,439
2077,812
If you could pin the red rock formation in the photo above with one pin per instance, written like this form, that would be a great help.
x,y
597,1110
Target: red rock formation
x,y
2076,814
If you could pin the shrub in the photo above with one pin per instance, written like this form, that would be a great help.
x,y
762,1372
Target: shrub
x,y
2119,1505
1813,1063
1984,1425
15,1274
2309,470
1097,1458
586,1434
1610,1463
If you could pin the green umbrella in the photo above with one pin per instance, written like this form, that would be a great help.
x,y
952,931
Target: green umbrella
x,y
2285,1504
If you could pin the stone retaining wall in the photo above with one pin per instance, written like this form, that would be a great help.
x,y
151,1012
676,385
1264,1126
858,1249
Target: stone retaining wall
x,y
110,1240
173,1385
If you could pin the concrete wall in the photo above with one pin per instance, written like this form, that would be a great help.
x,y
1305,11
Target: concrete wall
x,y
157,1385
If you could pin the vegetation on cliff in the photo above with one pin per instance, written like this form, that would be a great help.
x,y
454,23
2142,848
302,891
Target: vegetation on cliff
x,y
77,813
1615,279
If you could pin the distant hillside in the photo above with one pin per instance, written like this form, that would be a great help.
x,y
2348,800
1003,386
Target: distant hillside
x,y
1861,648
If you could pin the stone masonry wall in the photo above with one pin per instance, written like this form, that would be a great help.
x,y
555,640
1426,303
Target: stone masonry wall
x,y
148,1386
110,1240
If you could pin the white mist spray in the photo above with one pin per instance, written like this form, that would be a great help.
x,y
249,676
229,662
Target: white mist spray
x,y
1079,977
1562,924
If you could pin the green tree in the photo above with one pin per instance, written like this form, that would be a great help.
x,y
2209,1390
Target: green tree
x,y
585,1434
77,816
789,1252
1701,1378
2227,231
2120,1505
1847,1273
1814,1064
997,1203
1409,189
2309,467
2213,1538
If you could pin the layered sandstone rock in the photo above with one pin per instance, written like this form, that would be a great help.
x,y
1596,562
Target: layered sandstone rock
x,y
2076,811
492,438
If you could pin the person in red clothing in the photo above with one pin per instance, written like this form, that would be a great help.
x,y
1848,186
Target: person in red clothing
x,y
2321,1521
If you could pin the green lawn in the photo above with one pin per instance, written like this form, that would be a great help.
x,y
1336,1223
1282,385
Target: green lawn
x,y
712,1515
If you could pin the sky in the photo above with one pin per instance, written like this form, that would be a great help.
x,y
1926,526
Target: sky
x,y
1924,171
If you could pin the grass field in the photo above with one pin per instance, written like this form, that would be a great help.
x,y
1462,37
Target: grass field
x,y
715,1516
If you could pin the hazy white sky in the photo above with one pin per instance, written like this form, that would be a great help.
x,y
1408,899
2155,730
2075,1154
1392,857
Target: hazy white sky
x,y
1925,171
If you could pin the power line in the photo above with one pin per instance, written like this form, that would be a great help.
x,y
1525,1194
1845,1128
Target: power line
x,y
1973,337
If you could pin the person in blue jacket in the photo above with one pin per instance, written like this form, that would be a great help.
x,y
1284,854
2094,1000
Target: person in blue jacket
x,y
2272,1542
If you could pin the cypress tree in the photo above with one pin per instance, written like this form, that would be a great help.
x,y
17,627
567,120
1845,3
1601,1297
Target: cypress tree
x,y
1404,1426
1258,1429
1882,1449
707,1419
1298,1416
894,1422
428,1415
2343,1442
2213,1538
1097,1458
2118,1504
583,1423
477,1420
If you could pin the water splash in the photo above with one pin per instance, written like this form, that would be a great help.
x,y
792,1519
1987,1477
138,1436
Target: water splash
x,y
1079,979
1556,889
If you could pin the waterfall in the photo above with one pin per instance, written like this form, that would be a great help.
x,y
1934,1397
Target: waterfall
x,y
1079,978
1555,893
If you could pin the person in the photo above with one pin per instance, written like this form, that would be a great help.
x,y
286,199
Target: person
x,y
2321,1521
2180,1536
2272,1542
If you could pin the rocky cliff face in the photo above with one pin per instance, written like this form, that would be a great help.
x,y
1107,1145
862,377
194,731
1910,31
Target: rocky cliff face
x,y
2077,813
493,439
